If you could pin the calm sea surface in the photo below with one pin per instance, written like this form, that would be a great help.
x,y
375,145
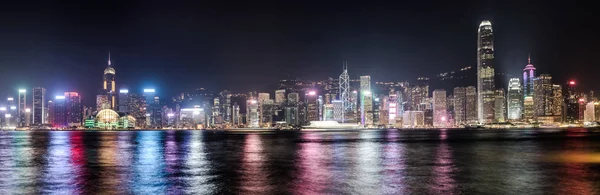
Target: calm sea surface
x,y
316,162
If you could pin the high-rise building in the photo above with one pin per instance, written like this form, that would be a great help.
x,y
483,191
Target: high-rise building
x,y
312,106
291,115
440,115
393,107
156,114
279,96
59,112
73,109
485,72
499,106
572,103
528,77
149,95
338,110
225,100
366,108
542,97
109,84
263,97
39,106
252,115
344,82
557,101
515,97
124,101
365,83
460,105
590,114
471,104
413,119
102,102
235,115
528,109
22,116
293,98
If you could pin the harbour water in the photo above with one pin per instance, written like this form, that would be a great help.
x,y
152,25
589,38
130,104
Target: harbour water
x,y
316,162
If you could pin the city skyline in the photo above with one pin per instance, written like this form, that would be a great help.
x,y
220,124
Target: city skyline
x,y
68,63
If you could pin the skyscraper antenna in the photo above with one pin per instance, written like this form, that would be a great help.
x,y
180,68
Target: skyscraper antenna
x,y
529,59
109,58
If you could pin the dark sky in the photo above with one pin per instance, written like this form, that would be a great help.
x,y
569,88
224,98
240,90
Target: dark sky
x,y
177,45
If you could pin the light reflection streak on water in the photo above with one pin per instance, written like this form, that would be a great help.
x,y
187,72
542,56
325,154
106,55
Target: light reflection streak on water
x,y
78,158
313,176
574,174
171,163
198,167
58,173
443,171
149,175
109,160
253,176
17,170
124,157
394,168
368,168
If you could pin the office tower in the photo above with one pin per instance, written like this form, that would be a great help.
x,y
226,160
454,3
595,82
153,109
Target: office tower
x,y
499,106
485,72
439,108
279,96
338,110
320,105
328,112
235,115
366,110
344,82
216,112
515,97
312,106
293,98
149,95
263,97
73,109
557,101
225,100
375,110
157,114
252,115
393,105
291,115
572,103
528,77
542,95
528,109
460,105
124,101
102,102
109,84
22,101
137,108
59,112
471,104
39,106
365,83
589,114
413,119
418,94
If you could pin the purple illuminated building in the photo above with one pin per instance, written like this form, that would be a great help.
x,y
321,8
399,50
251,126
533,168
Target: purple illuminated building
x,y
528,76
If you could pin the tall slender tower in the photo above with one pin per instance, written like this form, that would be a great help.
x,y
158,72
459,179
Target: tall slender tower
x,y
528,76
109,84
344,91
485,72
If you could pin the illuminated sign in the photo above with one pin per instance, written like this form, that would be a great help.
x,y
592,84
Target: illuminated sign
x,y
22,90
60,97
2,108
27,110
149,90
10,99
170,115
312,93
123,91
13,107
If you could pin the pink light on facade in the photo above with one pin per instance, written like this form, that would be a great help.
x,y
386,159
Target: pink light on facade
x,y
571,82
312,93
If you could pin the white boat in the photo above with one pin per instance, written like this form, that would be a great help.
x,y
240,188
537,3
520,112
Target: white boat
x,y
331,125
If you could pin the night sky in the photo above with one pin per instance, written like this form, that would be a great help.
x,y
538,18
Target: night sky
x,y
178,45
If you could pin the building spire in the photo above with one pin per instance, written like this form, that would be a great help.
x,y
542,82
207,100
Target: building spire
x,y
529,59
109,58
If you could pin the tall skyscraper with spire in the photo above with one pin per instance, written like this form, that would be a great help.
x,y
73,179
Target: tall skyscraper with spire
x,y
485,72
528,76
344,91
109,84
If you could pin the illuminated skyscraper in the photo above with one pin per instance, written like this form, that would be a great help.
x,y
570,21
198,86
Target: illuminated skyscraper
x,y
22,119
471,104
528,109
312,106
73,109
499,106
279,96
557,101
439,108
345,91
528,77
149,95
485,72
109,84
460,105
39,106
235,115
515,97
338,110
263,97
542,95
252,116
102,102
59,112
293,98
124,101
366,101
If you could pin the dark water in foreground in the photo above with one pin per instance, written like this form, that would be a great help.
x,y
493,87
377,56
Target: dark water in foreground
x,y
351,162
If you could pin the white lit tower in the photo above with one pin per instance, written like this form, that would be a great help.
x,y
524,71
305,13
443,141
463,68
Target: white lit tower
x,y
485,72
344,91
109,84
